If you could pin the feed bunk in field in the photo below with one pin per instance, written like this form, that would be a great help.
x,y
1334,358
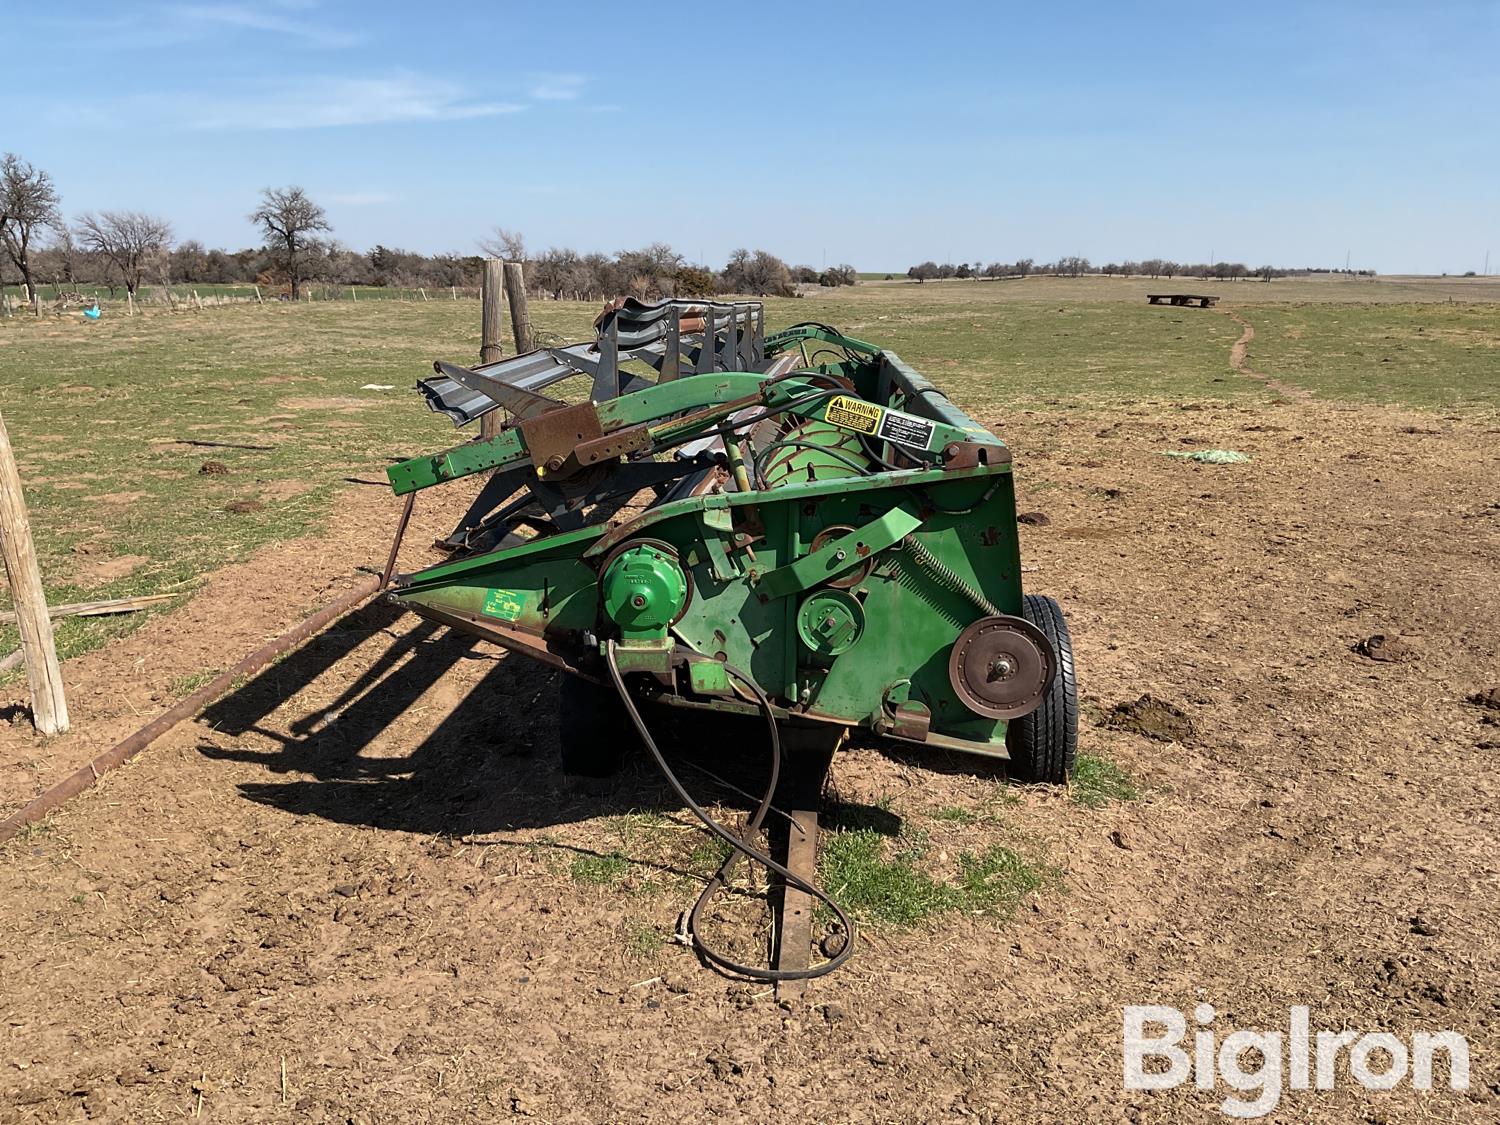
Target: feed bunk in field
x,y
796,526
1190,300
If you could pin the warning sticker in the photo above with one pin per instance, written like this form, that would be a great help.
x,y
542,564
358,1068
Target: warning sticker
x,y
504,604
903,429
853,414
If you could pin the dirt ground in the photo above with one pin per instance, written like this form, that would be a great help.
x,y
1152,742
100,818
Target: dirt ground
x,y
336,897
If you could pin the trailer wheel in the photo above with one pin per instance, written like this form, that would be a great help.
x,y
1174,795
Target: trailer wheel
x,y
1044,744
593,730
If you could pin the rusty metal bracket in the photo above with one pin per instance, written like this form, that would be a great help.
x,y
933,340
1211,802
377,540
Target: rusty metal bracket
x,y
610,446
972,454
553,438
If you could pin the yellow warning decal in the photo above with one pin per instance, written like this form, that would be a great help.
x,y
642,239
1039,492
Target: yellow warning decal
x,y
504,604
853,414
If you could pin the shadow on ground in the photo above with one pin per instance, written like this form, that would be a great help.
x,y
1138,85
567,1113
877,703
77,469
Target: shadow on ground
x,y
490,764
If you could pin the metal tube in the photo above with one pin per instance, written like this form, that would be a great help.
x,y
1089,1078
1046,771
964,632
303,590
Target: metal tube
x,y
390,561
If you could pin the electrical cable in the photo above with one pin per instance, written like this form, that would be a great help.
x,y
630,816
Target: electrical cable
x,y
850,356
740,843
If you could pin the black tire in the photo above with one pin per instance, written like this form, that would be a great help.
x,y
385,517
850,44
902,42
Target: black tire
x,y
593,730
1044,744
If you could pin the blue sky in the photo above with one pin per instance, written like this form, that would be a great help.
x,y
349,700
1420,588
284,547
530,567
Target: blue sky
x,y
873,133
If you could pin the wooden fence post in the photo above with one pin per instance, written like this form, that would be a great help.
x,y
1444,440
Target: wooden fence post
x,y
49,709
520,317
492,326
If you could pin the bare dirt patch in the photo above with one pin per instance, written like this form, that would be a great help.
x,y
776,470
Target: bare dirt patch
x,y
278,490
107,570
373,836
334,404
116,499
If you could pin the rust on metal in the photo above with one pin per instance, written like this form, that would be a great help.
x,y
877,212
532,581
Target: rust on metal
x,y
911,721
497,632
1000,667
612,445
551,438
972,454
390,560
809,754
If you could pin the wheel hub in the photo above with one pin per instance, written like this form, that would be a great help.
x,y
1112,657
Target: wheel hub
x,y
1000,667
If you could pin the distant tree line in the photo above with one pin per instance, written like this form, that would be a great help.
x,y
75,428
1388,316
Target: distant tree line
x,y
655,271
1078,266
128,249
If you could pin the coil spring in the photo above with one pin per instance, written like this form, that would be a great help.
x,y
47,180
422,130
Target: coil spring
x,y
945,576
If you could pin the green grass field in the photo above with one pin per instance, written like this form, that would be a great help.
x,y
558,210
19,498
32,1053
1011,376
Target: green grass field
x,y
113,419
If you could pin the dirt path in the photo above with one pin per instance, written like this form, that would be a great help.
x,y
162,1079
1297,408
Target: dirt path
x,y
365,866
1239,353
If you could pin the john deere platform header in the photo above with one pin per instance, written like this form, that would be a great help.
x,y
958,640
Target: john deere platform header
x,y
797,525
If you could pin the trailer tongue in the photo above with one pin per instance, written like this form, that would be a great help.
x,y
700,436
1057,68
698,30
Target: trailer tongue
x,y
797,526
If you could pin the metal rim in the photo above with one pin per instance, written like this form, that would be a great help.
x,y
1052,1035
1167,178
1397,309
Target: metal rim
x,y
1000,667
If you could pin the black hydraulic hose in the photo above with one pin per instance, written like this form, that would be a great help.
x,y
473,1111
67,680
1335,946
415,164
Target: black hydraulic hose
x,y
874,455
741,843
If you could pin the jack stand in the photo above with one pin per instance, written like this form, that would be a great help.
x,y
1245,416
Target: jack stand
x,y
809,753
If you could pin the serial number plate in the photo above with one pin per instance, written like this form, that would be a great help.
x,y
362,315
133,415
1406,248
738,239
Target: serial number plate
x,y
906,430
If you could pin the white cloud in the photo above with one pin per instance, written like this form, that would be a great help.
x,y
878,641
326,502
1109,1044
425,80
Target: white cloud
x,y
331,102
163,26
557,87
272,18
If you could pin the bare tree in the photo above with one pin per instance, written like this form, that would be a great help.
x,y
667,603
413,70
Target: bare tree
x,y
129,240
290,222
508,245
28,205
761,273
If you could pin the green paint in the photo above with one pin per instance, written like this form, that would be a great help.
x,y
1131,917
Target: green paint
x,y
732,577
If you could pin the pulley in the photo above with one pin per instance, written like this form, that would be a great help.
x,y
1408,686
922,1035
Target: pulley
x,y
830,622
1000,667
